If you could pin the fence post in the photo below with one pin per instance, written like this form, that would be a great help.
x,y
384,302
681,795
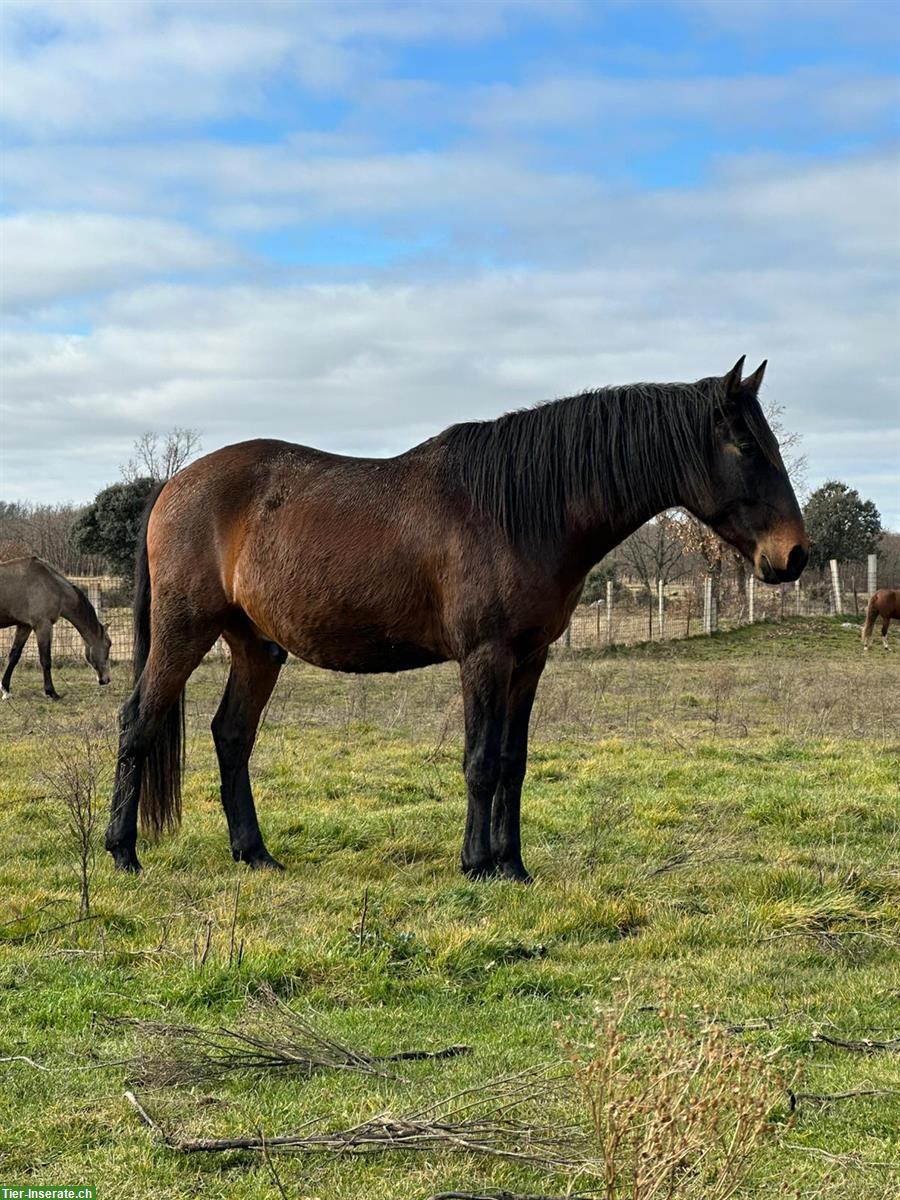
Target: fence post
x,y
609,604
799,597
751,598
872,575
708,604
836,588
567,636
713,605
661,601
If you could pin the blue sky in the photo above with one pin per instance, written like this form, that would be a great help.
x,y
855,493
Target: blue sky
x,y
352,224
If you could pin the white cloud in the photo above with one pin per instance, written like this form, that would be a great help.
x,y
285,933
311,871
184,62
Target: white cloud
x,y
374,369
47,256
535,280
93,65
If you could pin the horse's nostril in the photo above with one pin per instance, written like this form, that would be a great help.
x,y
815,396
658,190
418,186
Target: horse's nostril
x,y
797,560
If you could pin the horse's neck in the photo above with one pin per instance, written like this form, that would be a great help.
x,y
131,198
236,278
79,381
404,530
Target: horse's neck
x,y
79,612
591,537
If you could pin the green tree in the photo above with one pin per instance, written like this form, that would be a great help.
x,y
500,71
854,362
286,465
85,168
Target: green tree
x,y
595,584
840,524
109,527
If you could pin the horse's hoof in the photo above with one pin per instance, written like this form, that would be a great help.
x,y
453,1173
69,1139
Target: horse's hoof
x,y
264,862
480,871
127,861
515,871
4,694
52,695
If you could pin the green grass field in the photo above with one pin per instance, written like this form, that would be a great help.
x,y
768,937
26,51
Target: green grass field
x,y
715,821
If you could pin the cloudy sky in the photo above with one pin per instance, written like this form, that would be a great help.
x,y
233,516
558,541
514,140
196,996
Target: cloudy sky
x,y
351,224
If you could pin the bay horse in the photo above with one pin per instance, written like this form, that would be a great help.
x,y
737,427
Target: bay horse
x,y
885,603
33,596
471,547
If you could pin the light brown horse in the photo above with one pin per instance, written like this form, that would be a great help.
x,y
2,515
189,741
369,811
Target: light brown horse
x,y
471,547
885,604
34,595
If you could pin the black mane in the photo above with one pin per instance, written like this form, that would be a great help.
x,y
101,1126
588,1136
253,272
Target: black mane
x,y
635,446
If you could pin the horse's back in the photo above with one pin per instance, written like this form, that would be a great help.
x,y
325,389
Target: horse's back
x,y
330,556
30,591
886,602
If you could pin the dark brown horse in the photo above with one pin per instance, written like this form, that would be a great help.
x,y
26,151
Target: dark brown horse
x,y
34,595
885,604
471,547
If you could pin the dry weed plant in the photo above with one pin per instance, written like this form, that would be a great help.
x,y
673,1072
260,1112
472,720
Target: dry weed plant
x,y
678,1115
78,776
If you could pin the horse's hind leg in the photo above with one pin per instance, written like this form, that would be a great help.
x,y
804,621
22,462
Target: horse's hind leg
x,y
868,626
15,653
884,628
255,665
143,715
44,635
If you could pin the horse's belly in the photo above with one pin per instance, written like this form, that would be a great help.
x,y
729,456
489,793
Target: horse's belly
x,y
362,653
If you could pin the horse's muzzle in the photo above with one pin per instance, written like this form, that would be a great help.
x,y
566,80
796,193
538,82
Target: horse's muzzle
x,y
792,569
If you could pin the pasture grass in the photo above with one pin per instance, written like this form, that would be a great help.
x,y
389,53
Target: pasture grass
x,y
713,821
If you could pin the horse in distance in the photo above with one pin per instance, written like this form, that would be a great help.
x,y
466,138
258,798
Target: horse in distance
x,y
885,603
33,596
472,547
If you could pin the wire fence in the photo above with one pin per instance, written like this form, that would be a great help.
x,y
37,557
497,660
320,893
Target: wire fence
x,y
629,613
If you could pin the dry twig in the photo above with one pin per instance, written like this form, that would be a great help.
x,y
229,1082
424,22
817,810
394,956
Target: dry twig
x,y
480,1124
797,1098
276,1038
863,1045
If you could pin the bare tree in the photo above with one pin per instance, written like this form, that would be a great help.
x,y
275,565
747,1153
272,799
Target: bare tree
x,y
655,551
158,456
789,443
47,531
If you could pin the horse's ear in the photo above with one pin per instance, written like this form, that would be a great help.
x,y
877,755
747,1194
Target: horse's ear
x,y
732,380
754,381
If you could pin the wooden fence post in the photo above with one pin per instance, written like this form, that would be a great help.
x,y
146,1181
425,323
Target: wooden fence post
x,y
872,575
836,601
708,622
609,606
661,601
799,597
751,598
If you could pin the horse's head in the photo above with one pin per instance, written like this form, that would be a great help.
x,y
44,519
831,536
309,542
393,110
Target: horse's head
x,y
97,654
750,502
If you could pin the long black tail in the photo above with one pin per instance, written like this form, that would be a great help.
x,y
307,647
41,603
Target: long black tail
x,y
160,807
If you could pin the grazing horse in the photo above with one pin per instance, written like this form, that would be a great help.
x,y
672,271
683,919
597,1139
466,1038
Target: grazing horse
x,y
885,604
33,595
471,547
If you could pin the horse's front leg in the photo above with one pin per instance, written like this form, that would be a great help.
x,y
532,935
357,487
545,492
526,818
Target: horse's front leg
x,y
44,635
485,678
506,837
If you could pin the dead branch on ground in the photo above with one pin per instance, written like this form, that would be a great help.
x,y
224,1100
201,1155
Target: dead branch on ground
x,y
275,1037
